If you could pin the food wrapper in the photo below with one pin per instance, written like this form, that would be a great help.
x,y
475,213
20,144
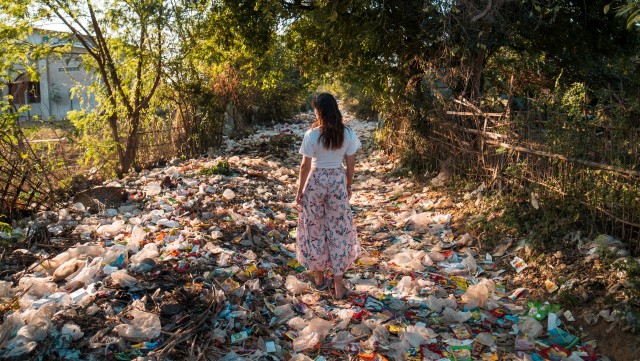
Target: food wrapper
x,y
460,353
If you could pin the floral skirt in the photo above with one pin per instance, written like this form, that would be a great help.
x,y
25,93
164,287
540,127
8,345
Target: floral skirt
x,y
326,233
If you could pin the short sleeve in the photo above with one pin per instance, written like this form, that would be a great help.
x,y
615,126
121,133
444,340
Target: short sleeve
x,y
354,143
307,148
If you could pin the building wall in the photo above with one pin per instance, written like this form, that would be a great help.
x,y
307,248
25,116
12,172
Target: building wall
x,y
58,75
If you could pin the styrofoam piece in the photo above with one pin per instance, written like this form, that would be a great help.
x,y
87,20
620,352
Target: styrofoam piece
x,y
79,294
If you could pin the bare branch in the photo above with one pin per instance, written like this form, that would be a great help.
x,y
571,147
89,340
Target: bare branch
x,y
484,12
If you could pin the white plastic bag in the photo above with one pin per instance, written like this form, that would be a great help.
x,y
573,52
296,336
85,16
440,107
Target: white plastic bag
x,y
138,235
144,326
5,289
465,241
150,250
476,296
153,189
284,312
470,264
297,323
37,329
405,286
36,286
111,229
85,276
420,221
295,286
434,303
451,315
9,326
531,327
485,338
418,335
311,335
69,268
71,331
123,279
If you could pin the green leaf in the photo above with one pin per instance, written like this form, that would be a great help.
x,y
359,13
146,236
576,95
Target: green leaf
x,y
606,8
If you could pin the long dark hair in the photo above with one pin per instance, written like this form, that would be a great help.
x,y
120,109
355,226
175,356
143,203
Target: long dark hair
x,y
329,121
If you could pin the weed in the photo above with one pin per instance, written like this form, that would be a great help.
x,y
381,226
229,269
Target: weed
x,y
6,228
222,168
568,299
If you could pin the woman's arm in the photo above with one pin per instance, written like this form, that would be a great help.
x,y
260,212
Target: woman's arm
x,y
305,167
351,163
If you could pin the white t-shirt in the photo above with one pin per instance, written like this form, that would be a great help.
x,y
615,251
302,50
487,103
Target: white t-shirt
x,y
326,158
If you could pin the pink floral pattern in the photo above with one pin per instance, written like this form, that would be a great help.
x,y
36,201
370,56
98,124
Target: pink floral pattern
x,y
326,233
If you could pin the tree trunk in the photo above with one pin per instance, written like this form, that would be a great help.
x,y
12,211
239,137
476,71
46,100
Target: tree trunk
x,y
475,77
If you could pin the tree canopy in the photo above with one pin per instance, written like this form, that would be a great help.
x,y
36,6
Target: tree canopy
x,y
256,60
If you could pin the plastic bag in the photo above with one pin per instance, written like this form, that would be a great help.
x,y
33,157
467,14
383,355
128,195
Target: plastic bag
x,y
409,259
71,331
80,252
420,221
531,327
19,346
476,296
405,286
144,326
297,323
427,261
111,229
485,338
9,326
36,330
341,340
451,315
442,218
67,269
36,286
284,312
150,250
138,235
465,241
311,335
295,286
5,289
418,335
228,194
436,256
470,264
434,303
153,189
301,357
85,276
123,279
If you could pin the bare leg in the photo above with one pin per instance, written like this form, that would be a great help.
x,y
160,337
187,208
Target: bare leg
x,y
319,278
339,286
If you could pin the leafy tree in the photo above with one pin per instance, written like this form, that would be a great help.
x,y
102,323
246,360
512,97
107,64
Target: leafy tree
x,y
124,41
629,9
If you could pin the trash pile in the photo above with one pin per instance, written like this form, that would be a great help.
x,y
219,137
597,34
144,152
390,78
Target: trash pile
x,y
202,262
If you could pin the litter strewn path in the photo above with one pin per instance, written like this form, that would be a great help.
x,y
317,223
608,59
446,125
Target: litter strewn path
x,y
200,263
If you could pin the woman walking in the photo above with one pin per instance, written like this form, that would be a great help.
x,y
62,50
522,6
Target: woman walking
x,y
326,234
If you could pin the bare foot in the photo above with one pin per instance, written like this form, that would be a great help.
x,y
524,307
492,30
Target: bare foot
x,y
318,278
340,289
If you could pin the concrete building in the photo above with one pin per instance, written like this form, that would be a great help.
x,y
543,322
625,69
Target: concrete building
x,y
50,96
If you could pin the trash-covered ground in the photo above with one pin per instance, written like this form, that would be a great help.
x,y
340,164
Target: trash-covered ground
x,y
199,263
